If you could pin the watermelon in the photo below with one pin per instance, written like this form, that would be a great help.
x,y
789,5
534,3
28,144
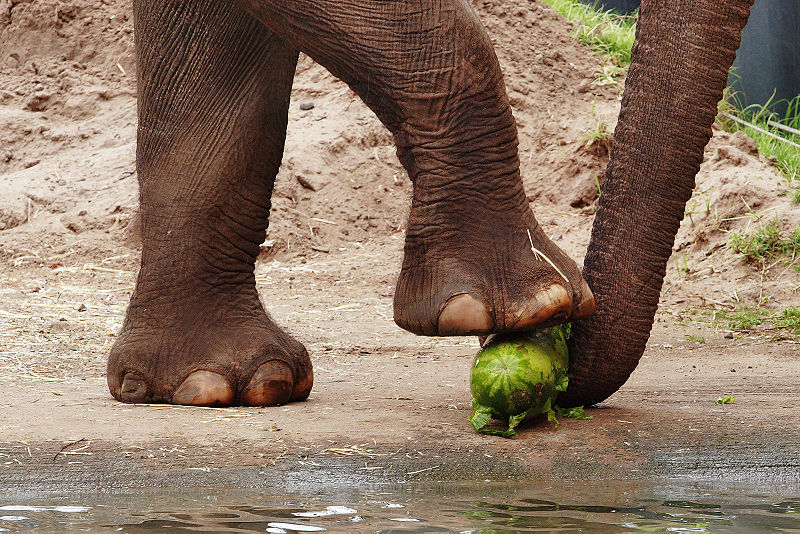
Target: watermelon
x,y
518,376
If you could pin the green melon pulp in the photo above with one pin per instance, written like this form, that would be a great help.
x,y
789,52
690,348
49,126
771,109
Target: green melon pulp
x,y
518,376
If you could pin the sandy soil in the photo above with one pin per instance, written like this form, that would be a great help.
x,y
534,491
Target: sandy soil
x,y
385,401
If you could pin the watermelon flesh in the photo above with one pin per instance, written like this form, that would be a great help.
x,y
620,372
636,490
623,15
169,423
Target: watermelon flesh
x,y
518,376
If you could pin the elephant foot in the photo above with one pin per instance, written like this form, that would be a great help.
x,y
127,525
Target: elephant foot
x,y
200,355
488,276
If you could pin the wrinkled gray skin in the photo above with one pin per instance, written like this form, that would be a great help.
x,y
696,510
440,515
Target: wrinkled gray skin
x,y
214,84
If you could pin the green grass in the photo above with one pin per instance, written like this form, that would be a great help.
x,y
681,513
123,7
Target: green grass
x,y
745,317
786,157
608,33
695,339
790,319
749,318
767,243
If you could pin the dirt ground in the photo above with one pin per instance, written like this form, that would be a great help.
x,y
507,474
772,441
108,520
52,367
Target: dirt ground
x,y
385,402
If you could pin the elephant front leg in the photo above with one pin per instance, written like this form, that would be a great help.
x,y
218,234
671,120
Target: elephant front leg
x,y
476,261
214,90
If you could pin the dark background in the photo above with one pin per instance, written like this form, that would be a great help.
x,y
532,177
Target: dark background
x,y
769,58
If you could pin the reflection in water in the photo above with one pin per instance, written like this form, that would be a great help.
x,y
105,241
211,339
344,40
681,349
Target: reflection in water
x,y
414,508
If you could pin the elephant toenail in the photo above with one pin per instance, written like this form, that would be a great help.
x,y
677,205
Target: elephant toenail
x,y
586,304
270,385
204,388
302,389
134,388
464,314
550,305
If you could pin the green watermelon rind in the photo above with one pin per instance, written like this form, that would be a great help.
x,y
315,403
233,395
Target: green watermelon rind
x,y
514,396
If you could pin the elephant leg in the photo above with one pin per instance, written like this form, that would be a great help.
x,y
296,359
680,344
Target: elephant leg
x,y
476,261
678,72
214,89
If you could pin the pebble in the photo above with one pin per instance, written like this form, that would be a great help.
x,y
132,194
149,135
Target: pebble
x,y
305,106
312,182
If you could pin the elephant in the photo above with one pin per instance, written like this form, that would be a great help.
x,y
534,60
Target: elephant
x,y
214,80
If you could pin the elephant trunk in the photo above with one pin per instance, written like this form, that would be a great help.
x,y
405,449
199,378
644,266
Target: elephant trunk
x,y
678,72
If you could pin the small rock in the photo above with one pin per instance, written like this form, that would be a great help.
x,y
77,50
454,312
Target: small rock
x,y
584,86
127,173
305,106
82,308
729,335
59,326
314,183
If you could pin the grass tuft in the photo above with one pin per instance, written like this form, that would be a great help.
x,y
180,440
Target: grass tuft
x,y
598,138
765,243
789,319
745,318
607,32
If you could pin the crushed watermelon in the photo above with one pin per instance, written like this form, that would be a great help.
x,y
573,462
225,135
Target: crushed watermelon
x,y
518,376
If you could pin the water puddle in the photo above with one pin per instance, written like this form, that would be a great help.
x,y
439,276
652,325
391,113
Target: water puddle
x,y
460,507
